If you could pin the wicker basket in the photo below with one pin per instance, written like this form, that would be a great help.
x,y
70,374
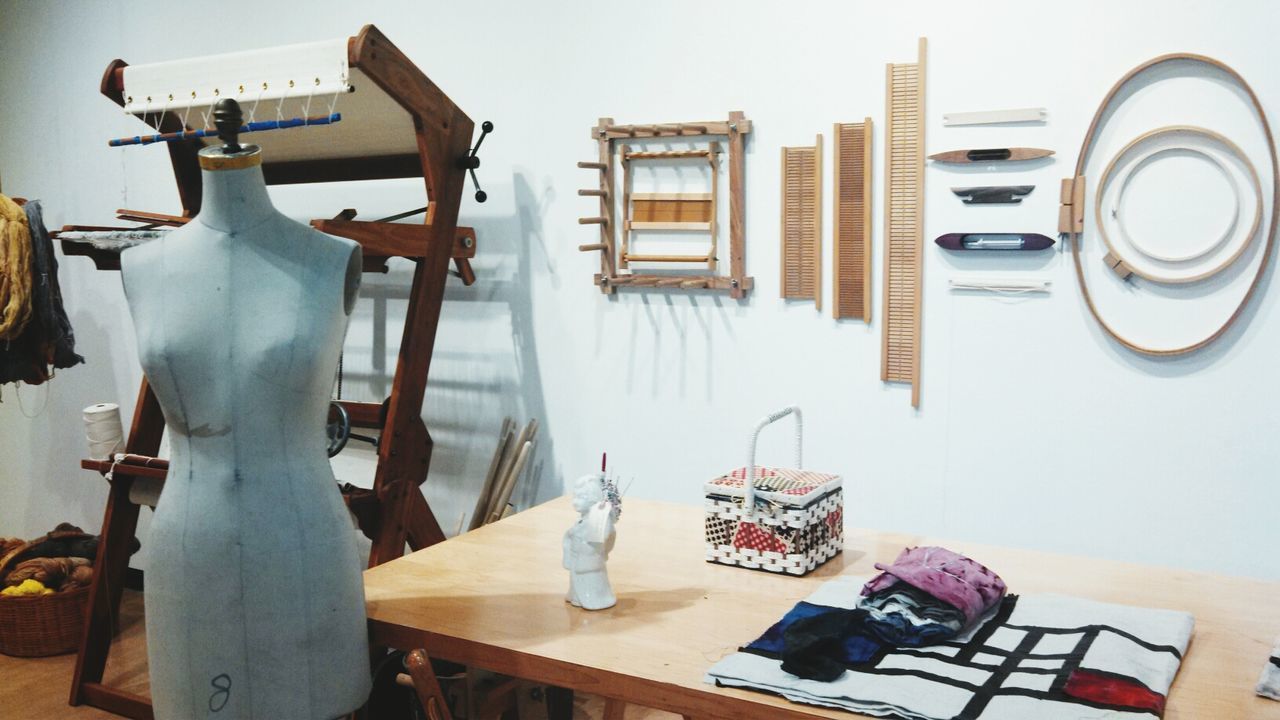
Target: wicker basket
x,y
44,624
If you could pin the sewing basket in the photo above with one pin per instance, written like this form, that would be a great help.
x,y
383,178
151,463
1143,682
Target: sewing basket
x,y
783,520
45,624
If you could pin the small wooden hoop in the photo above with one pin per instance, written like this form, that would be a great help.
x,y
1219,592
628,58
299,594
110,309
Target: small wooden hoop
x,y
1074,235
1252,171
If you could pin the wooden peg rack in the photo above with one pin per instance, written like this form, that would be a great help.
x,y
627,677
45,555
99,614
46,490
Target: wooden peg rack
x,y
667,211
437,134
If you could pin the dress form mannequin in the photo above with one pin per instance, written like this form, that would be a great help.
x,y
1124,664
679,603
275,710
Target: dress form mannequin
x,y
254,600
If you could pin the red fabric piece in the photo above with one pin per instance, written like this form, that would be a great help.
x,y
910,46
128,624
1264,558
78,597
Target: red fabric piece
x,y
1085,685
753,537
835,522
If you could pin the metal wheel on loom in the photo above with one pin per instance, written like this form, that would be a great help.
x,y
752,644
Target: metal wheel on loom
x,y
338,428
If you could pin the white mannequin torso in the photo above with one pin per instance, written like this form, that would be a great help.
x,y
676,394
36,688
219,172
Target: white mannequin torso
x,y
255,606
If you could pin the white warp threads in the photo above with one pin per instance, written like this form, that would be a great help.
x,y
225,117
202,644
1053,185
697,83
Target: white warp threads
x,y
103,429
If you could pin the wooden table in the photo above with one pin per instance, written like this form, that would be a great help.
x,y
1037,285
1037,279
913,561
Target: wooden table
x,y
494,598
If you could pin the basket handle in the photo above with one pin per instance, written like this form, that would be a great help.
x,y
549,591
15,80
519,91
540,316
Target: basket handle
x,y
749,480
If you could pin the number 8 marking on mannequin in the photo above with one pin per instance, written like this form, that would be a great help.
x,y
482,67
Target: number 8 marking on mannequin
x,y
221,694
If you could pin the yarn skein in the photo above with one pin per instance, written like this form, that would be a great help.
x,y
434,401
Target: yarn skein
x,y
15,269
103,429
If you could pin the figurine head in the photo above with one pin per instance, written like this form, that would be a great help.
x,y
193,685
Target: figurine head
x,y
587,491
596,488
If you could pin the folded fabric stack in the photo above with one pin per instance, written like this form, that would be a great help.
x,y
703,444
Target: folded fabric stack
x,y
891,647
927,596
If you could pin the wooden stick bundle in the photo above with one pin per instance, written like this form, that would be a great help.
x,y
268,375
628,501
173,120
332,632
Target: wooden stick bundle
x,y
509,460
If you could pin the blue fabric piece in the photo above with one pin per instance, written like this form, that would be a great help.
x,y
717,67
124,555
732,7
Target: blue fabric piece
x,y
856,648
896,630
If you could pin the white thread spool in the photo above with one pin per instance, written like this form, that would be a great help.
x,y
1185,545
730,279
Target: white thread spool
x,y
103,429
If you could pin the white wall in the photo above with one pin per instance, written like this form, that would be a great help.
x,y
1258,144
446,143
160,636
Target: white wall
x,y
1035,430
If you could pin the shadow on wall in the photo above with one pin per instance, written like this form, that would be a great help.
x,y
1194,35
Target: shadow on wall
x,y
484,366
60,491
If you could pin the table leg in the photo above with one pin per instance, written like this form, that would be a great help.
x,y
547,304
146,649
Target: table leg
x,y
613,709
559,703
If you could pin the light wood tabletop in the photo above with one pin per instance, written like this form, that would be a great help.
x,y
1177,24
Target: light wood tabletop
x,y
494,598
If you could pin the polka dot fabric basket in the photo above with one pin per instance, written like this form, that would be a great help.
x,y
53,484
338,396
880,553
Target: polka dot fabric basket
x,y
782,520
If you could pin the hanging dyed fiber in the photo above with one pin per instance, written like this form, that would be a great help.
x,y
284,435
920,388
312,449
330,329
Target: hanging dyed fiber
x,y
47,339
15,269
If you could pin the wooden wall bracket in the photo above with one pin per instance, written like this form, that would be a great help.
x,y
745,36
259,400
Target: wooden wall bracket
x,y
443,134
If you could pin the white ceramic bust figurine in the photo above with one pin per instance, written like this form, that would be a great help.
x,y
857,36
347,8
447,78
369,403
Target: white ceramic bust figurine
x,y
254,600
588,542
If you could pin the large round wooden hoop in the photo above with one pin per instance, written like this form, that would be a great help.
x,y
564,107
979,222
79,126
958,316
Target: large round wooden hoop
x,y
1087,145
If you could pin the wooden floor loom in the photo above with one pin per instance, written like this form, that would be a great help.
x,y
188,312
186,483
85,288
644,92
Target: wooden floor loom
x,y
399,125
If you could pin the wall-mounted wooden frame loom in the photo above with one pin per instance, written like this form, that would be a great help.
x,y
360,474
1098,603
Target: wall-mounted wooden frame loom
x,y
399,125
667,211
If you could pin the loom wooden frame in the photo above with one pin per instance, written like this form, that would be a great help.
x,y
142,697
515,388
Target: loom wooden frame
x,y
903,235
670,201
443,132
792,188
606,134
855,238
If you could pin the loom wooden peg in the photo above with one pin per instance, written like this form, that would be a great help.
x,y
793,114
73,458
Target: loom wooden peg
x,y
592,166
591,247
591,221
592,193
693,284
644,281
670,282
621,280
701,129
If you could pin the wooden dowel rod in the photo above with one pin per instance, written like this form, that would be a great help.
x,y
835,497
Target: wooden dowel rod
x,y
509,484
696,128
591,247
591,193
151,217
644,281
670,282
509,458
621,280
482,501
667,258
593,166
693,284
657,154
499,500
591,221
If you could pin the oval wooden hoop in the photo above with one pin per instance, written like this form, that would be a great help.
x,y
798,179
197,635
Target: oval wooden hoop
x,y
1087,145
1252,172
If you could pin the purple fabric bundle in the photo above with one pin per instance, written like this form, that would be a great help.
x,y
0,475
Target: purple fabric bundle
x,y
946,575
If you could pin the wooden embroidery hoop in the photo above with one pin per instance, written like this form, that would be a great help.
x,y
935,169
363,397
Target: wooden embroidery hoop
x,y
1071,215
1104,181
